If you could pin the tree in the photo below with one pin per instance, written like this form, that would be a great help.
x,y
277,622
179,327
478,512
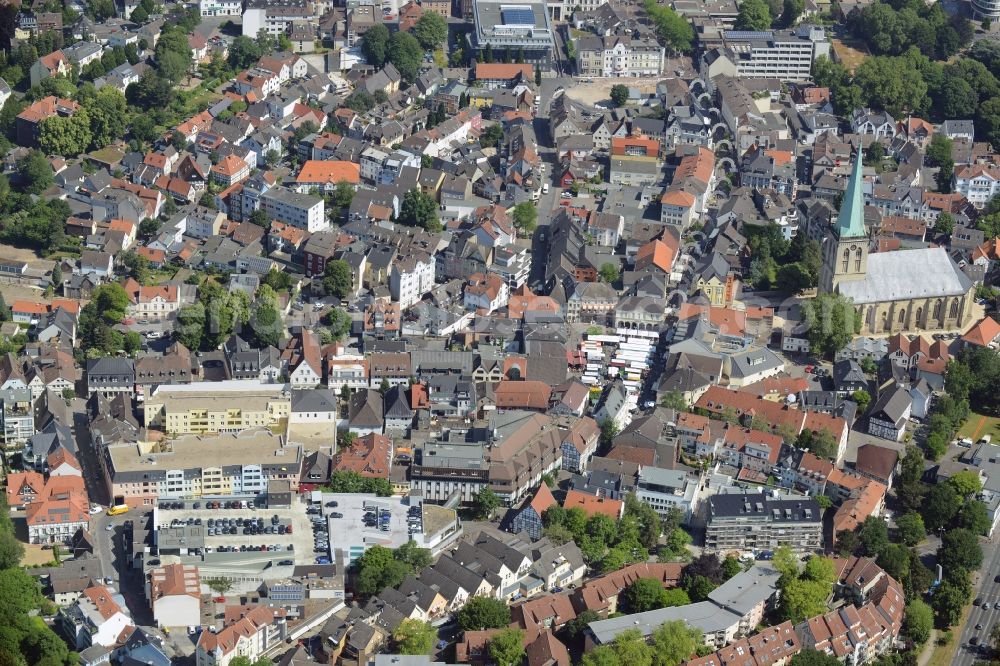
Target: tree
x,y
730,567
580,622
609,273
431,30
847,543
108,112
491,136
910,527
525,217
631,648
674,596
786,562
375,45
260,218
643,595
966,483
814,658
753,15
801,599
619,95
793,278
419,210
378,569
940,506
338,279
483,613
676,31
874,154
405,53
339,323
219,585
960,549
944,224
139,15
133,342
819,570
832,322
35,172
863,399
674,642
414,636
821,444
939,150
975,517
918,621
791,11
507,647
413,556
948,602
65,135
874,536
895,560
943,176
485,503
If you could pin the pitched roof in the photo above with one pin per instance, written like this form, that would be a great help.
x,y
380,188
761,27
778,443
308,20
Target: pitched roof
x,y
593,505
329,171
983,333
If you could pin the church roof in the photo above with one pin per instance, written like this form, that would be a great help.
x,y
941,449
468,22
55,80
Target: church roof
x,y
851,219
907,274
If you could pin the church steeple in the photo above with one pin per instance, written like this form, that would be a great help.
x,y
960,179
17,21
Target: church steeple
x,y
851,218
845,250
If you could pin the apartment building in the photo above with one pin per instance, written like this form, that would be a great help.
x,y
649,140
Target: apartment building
x,y
299,210
155,302
443,469
759,522
411,277
522,27
229,406
174,592
978,183
787,55
221,7
665,489
193,466
619,55
259,630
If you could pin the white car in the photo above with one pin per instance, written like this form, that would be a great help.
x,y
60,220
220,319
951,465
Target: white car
x,y
96,508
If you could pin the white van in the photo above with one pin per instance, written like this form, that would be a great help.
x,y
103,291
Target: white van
x,y
545,188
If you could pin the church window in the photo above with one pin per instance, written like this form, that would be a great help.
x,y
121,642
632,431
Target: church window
x,y
857,260
954,309
937,309
920,312
847,257
902,314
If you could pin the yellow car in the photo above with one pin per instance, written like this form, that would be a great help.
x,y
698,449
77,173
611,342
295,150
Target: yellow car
x,y
118,510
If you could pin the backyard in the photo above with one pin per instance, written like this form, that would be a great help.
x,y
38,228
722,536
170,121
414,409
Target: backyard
x,y
978,425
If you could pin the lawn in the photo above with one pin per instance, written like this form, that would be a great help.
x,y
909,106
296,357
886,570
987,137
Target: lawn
x,y
978,425
850,53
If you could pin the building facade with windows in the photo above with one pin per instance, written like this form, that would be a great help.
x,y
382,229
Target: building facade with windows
x,y
759,522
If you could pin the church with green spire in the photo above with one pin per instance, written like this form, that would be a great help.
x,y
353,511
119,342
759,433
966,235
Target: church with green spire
x,y
901,291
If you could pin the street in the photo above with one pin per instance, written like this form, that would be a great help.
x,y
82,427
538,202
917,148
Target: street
x,y
986,590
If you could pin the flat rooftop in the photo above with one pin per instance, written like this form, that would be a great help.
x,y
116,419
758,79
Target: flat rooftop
x,y
354,536
259,446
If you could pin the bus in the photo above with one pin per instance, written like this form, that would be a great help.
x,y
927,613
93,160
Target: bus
x,y
117,510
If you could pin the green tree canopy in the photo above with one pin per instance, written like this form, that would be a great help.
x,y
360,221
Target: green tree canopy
x,y
338,279
419,210
507,647
918,621
431,30
753,15
619,94
414,636
375,45
483,613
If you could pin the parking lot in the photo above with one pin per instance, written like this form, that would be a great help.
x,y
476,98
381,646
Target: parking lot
x,y
301,537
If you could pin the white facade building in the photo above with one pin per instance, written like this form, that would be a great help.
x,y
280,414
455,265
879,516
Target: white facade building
x,y
299,210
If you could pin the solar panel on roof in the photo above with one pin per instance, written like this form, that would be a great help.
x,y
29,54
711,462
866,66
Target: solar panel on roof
x,y
748,34
517,16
